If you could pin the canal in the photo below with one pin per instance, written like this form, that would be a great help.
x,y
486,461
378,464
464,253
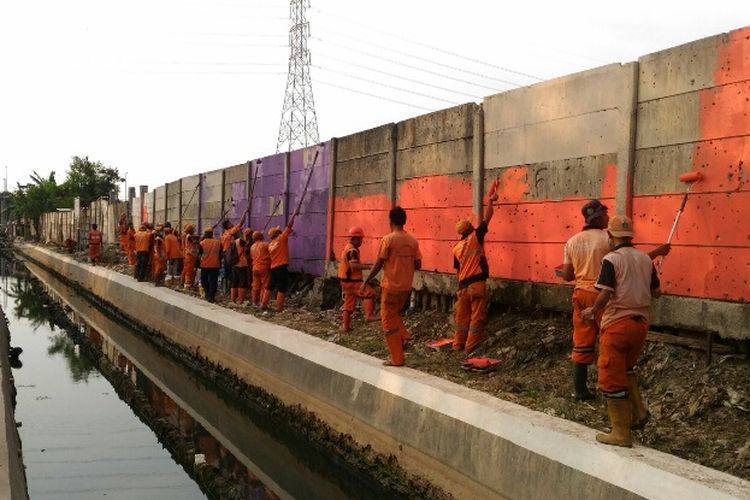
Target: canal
x,y
105,414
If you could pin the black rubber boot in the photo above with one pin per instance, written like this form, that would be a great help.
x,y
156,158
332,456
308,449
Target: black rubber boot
x,y
580,374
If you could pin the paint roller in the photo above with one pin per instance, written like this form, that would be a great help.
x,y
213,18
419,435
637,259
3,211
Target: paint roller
x,y
690,178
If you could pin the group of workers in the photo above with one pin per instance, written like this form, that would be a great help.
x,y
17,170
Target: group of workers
x,y
614,284
247,261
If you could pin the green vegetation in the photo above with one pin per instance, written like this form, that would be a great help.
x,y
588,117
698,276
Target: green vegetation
x,y
85,179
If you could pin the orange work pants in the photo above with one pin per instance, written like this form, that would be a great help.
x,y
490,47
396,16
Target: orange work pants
x,y
350,290
471,317
188,270
620,344
95,252
261,281
131,255
584,333
391,305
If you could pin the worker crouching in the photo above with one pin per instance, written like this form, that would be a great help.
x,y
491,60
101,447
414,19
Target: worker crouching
x,y
350,277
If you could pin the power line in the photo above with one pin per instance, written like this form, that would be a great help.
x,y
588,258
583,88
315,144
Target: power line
x,y
322,82
406,65
426,59
394,75
385,85
432,47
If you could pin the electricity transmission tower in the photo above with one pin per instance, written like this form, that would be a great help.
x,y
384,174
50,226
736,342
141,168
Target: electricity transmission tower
x,y
299,125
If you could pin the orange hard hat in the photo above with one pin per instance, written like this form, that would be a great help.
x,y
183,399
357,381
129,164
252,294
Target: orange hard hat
x,y
356,231
257,236
274,231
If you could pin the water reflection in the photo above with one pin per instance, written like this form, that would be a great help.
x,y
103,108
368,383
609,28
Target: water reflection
x,y
229,452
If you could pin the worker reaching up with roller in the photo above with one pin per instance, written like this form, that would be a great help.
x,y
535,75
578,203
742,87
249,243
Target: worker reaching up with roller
x,y
279,250
350,277
472,270
626,283
399,258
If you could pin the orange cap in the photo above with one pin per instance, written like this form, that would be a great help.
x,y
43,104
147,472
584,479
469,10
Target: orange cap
x,y
356,231
464,226
257,236
274,231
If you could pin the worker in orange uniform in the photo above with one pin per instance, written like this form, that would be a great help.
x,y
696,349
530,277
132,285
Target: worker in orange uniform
x,y
122,233
174,253
399,257
472,271
278,247
247,233
227,237
582,262
209,256
158,256
142,247
238,260
95,244
261,258
626,284
350,277
131,244
189,256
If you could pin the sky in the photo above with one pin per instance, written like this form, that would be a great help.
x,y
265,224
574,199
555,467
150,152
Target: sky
x,y
161,89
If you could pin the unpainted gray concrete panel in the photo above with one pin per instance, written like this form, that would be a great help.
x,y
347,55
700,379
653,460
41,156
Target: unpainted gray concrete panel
x,y
686,68
365,143
441,158
362,170
568,96
578,136
667,121
444,125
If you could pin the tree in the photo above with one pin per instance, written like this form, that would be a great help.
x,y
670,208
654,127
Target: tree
x,y
90,180
30,201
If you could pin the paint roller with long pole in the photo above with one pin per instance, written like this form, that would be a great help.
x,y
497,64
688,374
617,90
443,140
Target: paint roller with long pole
x,y
691,178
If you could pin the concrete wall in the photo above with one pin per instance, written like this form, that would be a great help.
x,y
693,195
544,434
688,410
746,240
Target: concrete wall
x,y
212,202
552,146
434,155
308,242
236,192
693,103
190,200
160,205
363,170
467,442
270,189
174,200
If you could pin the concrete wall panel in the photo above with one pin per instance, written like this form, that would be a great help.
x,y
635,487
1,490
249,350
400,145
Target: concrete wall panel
x,y
161,203
190,200
269,189
173,203
211,201
366,143
441,126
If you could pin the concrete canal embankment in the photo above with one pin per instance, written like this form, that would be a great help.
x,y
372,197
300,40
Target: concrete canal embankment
x,y
467,442
12,474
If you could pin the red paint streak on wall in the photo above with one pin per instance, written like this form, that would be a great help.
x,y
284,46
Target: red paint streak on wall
x,y
433,205
609,183
514,184
711,249
716,220
370,213
733,61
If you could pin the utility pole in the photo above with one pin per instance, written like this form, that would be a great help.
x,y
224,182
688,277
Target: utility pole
x,y
299,124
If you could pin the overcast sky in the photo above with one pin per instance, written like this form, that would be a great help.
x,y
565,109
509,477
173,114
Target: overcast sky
x,y
161,89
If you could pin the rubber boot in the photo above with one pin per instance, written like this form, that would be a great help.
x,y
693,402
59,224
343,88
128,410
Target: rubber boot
x,y
621,417
369,306
396,350
280,301
240,296
266,298
346,322
640,413
580,375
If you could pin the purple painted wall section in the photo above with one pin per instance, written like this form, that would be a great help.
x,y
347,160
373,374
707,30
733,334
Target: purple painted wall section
x,y
269,186
308,241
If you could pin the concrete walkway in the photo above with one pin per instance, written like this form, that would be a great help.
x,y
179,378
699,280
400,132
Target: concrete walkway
x,y
468,442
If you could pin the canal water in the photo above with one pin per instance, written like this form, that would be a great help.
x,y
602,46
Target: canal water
x,y
135,424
